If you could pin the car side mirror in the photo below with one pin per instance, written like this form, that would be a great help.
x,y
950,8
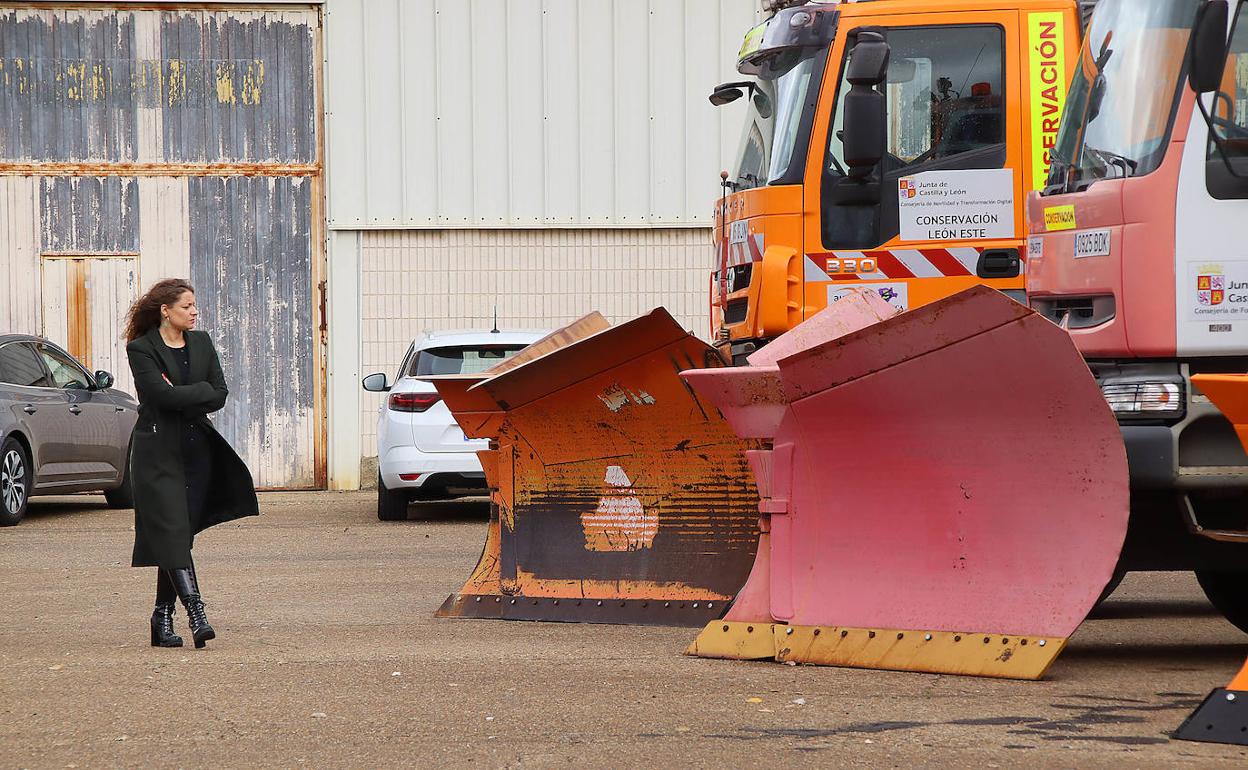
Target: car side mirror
x,y
1207,48
377,383
103,380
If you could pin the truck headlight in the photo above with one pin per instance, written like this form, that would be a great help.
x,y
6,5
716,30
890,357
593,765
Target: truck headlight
x,y
1145,399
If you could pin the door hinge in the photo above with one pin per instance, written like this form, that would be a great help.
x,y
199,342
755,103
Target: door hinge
x,y
323,288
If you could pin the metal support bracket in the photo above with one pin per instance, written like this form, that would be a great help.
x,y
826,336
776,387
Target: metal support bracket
x,y
1221,535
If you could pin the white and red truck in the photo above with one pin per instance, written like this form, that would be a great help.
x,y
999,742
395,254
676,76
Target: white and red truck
x,y
1139,247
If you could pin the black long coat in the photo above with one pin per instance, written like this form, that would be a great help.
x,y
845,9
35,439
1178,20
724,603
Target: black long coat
x,y
163,531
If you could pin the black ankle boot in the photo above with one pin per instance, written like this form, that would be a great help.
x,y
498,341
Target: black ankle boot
x,y
188,590
162,626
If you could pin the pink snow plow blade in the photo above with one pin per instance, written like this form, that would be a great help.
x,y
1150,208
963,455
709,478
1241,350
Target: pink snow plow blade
x,y
945,490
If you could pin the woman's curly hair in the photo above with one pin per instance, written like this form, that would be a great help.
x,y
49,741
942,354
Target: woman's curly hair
x,y
144,314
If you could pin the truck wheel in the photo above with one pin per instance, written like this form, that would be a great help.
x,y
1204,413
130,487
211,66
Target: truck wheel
x,y
1227,594
122,496
391,503
16,478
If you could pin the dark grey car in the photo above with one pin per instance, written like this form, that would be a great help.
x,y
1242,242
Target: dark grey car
x,y
62,429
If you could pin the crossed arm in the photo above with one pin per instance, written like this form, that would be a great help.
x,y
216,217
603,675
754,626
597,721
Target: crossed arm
x,y
198,398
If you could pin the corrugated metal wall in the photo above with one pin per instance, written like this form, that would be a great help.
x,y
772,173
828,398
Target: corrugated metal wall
x,y
69,85
185,140
239,87
20,239
529,113
84,214
254,286
413,281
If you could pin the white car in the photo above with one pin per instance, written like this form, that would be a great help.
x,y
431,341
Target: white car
x,y
421,452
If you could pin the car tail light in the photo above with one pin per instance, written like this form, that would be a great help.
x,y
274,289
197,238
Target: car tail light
x,y
413,402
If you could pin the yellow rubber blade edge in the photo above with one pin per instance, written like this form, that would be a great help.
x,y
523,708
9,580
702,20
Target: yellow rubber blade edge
x,y
934,652
734,640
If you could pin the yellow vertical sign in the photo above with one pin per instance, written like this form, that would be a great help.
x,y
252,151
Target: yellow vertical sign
x,y
1046,47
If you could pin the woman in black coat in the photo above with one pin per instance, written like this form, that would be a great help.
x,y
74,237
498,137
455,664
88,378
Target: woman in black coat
x,y
186,478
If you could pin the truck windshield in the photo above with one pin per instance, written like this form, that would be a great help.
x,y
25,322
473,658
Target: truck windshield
x,y
944,95
1121,102
772,125
1230,102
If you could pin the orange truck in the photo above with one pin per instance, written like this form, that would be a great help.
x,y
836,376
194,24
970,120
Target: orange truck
x,y
914,185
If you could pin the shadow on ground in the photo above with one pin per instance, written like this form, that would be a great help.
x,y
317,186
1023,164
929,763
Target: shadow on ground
x,y
57,507
463,509
1150,608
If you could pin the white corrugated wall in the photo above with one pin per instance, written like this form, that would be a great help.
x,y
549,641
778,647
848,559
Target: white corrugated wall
x,y
529,113
550,157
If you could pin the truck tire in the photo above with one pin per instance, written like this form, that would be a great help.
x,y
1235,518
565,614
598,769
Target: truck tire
x,y
391,503
1114,581
1227,594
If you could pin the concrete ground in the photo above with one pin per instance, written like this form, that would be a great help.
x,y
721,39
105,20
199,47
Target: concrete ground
x,y
328,656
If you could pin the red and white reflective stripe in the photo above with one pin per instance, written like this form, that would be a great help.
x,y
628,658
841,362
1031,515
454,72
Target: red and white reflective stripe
x,y
893,264
743,253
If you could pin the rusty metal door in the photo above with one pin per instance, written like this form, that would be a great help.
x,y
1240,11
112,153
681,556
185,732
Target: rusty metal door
x,y
85,300
186,136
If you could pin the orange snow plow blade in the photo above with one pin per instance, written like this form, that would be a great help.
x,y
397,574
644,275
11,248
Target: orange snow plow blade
x,y
1229,393
942,491
621,496
479,417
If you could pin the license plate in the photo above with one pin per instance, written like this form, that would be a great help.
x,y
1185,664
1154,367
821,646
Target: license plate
x,y
1092,243
738,231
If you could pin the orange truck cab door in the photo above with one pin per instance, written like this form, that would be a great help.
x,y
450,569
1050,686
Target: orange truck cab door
x,y
945,212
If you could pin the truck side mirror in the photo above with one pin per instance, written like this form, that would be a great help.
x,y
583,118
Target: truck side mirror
x,y
1096,96
726,93
868,59
1207,54
865,132
1207,48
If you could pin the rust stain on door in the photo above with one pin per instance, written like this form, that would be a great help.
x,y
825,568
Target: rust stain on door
x,y
79,306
